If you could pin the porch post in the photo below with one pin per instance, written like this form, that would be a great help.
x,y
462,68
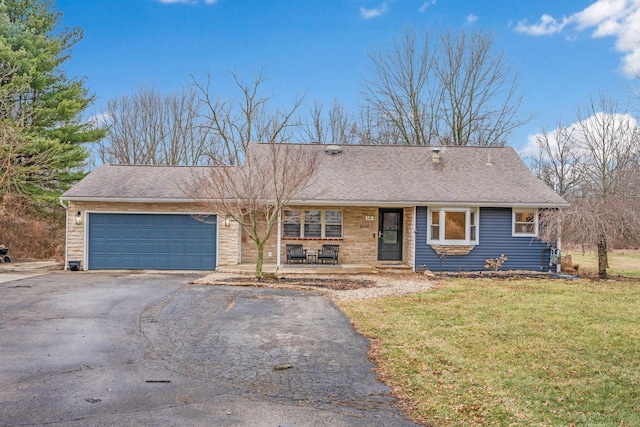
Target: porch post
x,y
559,246
279,239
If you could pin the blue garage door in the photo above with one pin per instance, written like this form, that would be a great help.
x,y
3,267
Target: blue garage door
x,y
148,241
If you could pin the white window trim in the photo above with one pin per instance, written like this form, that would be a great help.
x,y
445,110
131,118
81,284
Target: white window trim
x,y
467,232
323,223
513,222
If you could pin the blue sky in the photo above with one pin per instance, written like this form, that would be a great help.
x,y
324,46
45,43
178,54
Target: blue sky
x,y
565,50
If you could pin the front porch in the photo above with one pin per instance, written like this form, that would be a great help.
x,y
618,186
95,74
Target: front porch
x,y
272,268
364,235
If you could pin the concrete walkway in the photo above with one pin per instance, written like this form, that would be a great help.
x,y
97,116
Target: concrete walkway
x,y
10,271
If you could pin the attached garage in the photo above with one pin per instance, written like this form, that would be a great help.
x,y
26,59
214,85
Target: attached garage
x,y
141,241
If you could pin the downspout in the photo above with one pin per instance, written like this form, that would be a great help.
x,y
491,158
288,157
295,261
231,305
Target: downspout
x,y
66,232
279,239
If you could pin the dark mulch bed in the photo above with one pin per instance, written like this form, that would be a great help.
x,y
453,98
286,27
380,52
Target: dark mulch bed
x,y
521,274
338,284
504,275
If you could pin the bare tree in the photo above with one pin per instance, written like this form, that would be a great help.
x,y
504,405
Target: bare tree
x,y
594,221
255,192
609,140
480,99
193,127
151,128
235,123
335,127
606,206
402,91
450,89
558,161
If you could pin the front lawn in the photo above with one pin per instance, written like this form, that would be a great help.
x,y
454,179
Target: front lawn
x,y
510,352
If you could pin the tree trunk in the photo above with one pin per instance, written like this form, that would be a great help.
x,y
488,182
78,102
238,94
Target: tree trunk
x,y
602,257
260,260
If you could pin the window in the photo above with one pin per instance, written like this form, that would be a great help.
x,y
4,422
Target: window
x,y
333,224
312,224
453,226
525,222
291,223
472,226
435,225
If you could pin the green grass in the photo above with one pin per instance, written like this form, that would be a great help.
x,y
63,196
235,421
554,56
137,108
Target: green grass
x,y
623,262
526,352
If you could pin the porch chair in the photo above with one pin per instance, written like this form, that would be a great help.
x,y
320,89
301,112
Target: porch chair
x,y
328,253
296,253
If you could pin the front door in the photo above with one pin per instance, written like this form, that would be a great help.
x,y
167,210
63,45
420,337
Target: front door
x,y
390,235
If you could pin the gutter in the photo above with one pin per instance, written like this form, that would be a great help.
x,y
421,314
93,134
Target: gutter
x,y
410,203
126,200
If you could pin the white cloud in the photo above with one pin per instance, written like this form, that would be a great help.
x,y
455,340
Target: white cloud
x,y
471,18
425,5
592,124
604,18
375,12
546,25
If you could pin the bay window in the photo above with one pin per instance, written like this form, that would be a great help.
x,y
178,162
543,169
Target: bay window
x,y
453,226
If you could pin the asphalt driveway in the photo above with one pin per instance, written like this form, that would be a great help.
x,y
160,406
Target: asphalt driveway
x,y
151,349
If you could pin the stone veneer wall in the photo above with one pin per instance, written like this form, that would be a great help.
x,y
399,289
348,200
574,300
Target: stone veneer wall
x,y
228,247
358,245
408,253
452,249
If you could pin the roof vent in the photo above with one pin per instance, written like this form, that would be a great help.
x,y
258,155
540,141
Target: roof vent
x,y
333,150
435,154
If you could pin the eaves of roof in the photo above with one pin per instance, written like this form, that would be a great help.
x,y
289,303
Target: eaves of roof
x,y
411,203
124,200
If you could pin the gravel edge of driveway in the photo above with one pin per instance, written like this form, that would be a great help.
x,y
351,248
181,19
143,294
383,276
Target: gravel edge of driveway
x,y
381,285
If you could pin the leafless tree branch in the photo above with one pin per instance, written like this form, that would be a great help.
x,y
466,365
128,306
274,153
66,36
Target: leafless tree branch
x,y
254,192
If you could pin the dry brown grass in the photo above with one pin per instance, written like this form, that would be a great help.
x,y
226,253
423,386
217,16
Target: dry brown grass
x,y
30,234
623,262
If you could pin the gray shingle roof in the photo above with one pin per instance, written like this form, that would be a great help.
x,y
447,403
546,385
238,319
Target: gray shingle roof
x,y
112,182
361,174
407,175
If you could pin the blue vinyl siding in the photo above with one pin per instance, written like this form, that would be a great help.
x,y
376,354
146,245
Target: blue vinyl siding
x,y
150,241
524,253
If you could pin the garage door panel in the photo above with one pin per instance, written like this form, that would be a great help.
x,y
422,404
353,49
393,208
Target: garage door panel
x,y
150,241
192,234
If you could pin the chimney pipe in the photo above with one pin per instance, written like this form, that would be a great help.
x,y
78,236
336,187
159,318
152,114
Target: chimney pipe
x,y
435,154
